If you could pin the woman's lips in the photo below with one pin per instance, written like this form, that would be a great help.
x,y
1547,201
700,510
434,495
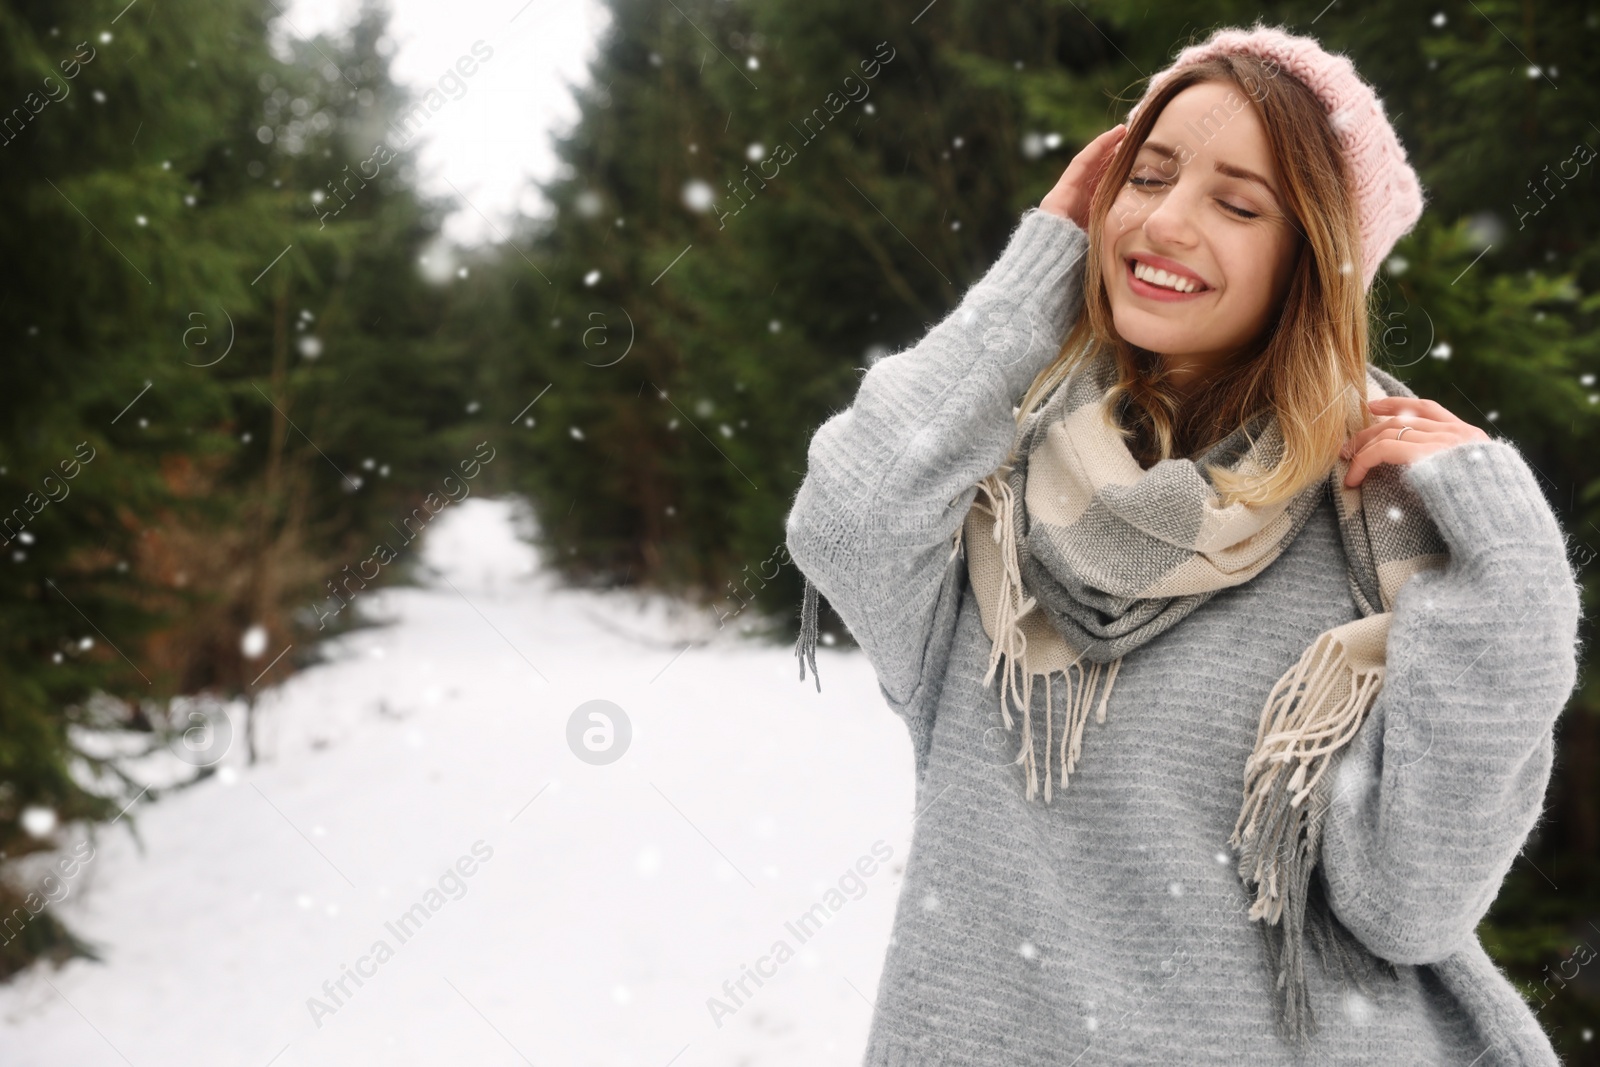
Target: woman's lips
x,y
1140,287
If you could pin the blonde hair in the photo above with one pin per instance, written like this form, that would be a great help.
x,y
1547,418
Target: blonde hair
x,y
1309,366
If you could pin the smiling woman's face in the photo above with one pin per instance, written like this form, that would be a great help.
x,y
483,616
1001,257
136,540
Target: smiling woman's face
x,y
1191,206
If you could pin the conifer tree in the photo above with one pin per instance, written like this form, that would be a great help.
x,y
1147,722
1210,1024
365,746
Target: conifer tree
x,y
221,392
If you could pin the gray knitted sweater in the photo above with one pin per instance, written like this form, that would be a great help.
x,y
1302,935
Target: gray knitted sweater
x,y
1110,927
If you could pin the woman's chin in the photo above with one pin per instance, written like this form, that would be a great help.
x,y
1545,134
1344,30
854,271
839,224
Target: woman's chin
x,y
1167,342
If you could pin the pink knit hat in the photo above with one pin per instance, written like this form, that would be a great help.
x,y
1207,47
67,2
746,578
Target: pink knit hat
x,y
1389,197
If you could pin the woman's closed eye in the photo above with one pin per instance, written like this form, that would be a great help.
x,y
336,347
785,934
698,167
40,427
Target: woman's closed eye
x,y
1242,213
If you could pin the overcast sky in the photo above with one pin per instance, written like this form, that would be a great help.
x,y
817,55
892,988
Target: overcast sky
x,y
496,137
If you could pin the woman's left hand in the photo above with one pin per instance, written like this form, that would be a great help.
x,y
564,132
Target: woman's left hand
x,y
1434,429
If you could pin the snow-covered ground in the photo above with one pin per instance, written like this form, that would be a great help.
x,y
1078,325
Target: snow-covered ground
x,y
605,904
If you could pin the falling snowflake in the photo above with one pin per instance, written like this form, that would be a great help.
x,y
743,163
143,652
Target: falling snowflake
x,y
1355,778
38,821
697,195
254,642
1357,1008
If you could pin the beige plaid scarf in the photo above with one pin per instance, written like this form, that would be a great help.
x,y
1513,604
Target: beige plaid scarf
x,y
1079,556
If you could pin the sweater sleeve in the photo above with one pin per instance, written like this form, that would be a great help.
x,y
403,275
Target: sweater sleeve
x,y
1446,778
889,479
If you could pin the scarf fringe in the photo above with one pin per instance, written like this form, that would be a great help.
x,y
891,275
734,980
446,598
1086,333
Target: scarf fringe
x,y
805,646
1278,834
1012,643
1300,712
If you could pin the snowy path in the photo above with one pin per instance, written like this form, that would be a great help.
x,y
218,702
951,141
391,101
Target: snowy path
x,y
615,899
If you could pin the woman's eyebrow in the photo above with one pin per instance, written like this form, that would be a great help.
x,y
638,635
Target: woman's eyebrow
x,y
1219,166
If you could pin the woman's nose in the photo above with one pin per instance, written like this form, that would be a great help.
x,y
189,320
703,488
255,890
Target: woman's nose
x,y
1171,219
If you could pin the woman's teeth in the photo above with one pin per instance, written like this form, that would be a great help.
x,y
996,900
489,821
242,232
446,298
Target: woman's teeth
x,y
1160,277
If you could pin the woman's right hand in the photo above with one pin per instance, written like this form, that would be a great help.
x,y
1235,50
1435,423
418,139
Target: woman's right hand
x,y
1073,191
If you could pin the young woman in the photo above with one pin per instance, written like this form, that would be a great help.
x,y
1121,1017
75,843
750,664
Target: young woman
x,y
1339,620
